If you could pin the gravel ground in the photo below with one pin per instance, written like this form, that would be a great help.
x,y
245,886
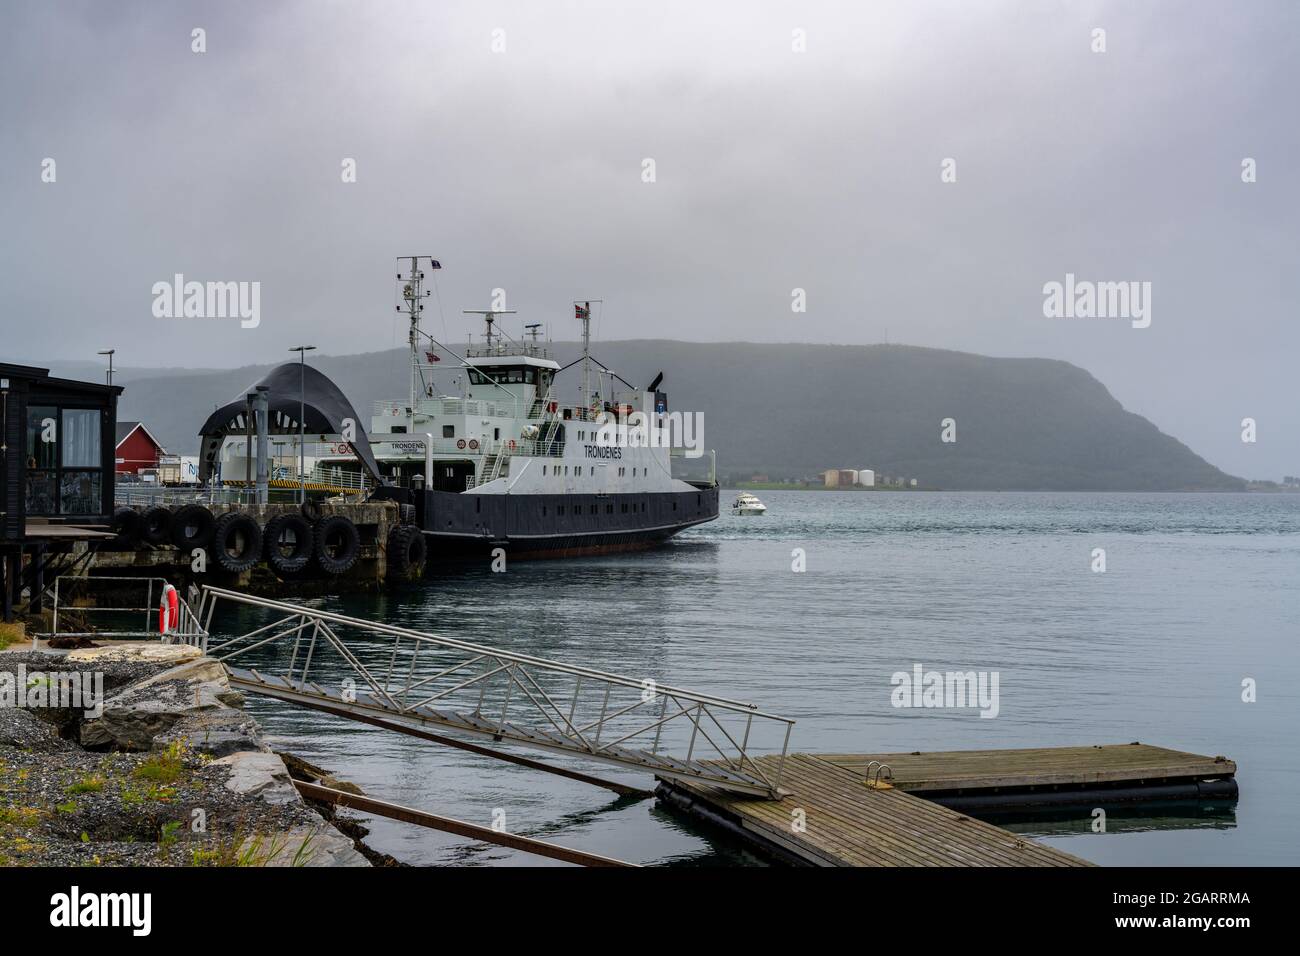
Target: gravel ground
x,y
64,805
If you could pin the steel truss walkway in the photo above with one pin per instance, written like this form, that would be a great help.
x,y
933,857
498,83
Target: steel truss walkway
x,y
403,678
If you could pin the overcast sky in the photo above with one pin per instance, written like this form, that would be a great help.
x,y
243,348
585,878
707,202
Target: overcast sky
x,y
774,170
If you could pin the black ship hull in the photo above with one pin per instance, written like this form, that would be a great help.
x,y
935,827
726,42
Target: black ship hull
x,y
465,526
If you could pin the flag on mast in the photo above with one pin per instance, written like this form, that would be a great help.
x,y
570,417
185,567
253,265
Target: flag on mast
x,y
581,311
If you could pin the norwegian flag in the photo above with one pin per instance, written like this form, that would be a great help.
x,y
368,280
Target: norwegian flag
x,y
432,357
581,311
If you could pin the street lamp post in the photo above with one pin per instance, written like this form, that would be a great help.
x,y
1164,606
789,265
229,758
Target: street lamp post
x,y
302,351
109,353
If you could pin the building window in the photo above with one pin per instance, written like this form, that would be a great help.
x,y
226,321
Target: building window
x,y
64,461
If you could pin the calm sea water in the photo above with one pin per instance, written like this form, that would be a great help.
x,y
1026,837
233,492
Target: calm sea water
x,y
1200,592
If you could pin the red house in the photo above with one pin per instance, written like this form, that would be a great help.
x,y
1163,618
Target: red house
x,y
136,448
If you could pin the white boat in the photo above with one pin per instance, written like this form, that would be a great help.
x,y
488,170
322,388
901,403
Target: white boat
x,y
747,504
501,461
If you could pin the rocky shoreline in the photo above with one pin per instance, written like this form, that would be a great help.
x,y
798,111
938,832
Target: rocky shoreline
x,y
172,772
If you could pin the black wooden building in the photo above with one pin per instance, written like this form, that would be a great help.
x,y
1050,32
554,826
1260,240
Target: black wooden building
x,y
56,473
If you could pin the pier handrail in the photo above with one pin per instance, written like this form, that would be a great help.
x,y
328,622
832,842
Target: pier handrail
x,y
469,646
402,694
188,629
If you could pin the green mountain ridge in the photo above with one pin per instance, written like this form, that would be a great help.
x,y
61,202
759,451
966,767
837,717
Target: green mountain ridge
x,y
791,410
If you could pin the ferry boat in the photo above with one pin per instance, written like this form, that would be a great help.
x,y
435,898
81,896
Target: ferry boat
x,y
747,504
508,464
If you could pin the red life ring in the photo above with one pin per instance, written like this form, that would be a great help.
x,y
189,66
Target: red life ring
x,y
473,443
512,444
168,610
460,443
552,407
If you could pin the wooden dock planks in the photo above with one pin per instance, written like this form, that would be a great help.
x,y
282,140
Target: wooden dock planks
x,y
847,823
1047,767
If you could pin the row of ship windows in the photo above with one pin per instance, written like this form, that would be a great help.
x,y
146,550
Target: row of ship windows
x,y
595,509
624,508
591,470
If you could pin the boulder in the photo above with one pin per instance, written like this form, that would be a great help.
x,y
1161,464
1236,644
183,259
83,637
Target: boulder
x,y
148,651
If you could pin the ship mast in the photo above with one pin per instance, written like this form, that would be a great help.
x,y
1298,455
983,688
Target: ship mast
x,y
413,296
489,318
582,312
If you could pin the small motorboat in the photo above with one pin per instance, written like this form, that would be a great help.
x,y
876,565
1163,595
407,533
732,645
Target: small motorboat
x,y
747,504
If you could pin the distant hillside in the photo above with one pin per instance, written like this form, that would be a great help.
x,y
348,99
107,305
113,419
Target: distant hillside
x,y
790,410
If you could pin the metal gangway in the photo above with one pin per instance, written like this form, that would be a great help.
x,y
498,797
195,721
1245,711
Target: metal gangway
x,y
401,678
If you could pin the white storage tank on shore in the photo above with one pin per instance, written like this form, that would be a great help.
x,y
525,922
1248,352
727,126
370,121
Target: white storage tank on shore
x,y
867,478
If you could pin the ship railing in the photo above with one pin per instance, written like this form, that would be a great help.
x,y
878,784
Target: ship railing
x,y
457,407
337,477
508,348
686,466
401,676
535,410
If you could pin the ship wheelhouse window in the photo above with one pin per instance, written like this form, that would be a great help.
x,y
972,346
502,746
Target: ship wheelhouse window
x,y
519,375
448,431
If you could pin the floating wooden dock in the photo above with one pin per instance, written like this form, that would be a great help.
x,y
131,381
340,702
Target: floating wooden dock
x,y
1053,776
830,815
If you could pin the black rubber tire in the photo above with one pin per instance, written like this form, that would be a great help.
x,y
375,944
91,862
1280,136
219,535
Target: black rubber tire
x,y
295,558
156,525
406,550
310,510
126,524
192,527
338,545
236,542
